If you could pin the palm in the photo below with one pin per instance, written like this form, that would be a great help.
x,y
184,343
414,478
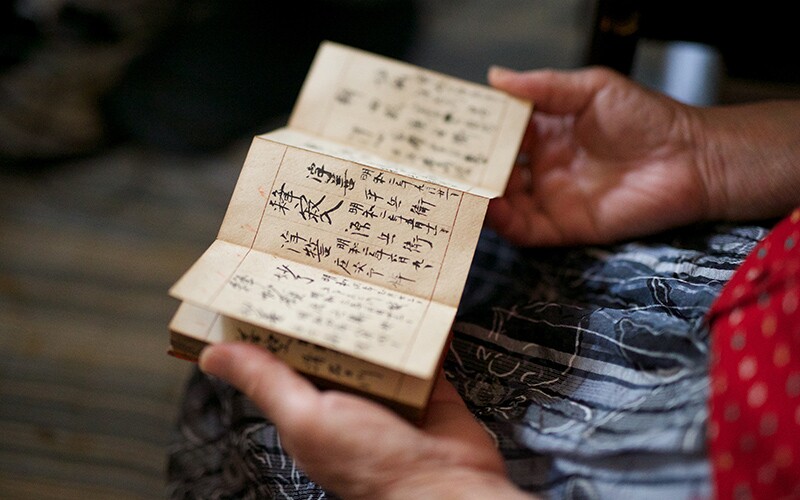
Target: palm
x,y
357,448
617,167
359,444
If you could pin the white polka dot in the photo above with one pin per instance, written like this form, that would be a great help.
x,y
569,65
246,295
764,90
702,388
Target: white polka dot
x,y
747,443
752,273
748,368
790,302
725,461
790,241
757,395
713,430
731,413
742,492
769,325
782,355
793,385
736,317
719,384
768,425
738,340
766,474
784,456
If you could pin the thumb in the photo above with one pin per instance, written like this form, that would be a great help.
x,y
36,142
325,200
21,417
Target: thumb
x,y
554,92
278,391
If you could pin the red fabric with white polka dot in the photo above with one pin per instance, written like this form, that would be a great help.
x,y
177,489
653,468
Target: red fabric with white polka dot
x,y
754,425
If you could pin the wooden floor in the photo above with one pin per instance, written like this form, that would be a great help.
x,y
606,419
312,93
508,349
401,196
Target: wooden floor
x,y
88,250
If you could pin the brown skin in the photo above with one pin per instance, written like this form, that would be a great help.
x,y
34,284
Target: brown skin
x,y
608,160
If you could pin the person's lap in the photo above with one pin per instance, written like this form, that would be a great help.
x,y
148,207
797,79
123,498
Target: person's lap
x,y
587,365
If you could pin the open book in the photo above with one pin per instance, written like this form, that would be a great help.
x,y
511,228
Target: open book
x,y
350,232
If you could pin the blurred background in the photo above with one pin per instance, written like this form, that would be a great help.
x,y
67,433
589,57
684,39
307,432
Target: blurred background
x,y
123,125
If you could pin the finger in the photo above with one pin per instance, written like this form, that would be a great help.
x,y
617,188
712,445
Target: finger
x,y
554,92
517,219
282,394
448,417
446,411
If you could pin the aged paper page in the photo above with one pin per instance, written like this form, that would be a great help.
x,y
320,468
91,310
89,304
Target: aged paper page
x,y
379,227
210,327
304,140
436,125
388,328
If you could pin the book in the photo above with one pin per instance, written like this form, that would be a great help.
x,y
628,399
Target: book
x,y
350,232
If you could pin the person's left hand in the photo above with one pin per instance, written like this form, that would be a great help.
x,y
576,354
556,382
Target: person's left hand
x,y
358,449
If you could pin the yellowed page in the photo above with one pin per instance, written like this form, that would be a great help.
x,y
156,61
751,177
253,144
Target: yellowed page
x,y
366,321
357,221
433,124
247,205
210,327
304,140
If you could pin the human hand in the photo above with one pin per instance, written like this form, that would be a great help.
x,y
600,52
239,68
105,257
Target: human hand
x,y
603,159
358,449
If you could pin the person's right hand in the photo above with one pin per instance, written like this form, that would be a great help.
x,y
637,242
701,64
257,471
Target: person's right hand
x,y
603,159
359,449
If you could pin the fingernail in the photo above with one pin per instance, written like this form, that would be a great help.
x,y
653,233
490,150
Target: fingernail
x,y
202,360
499,71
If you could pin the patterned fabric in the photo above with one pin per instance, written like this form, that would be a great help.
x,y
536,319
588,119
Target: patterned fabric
x,y
755,372
587,365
